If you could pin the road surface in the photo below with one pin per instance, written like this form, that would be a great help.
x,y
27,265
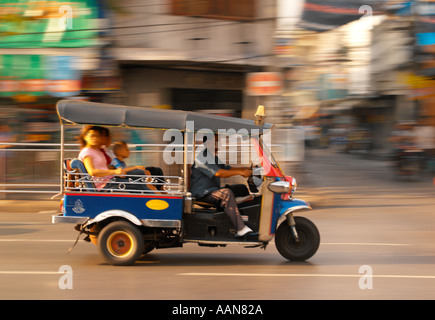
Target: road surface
x,y
377,242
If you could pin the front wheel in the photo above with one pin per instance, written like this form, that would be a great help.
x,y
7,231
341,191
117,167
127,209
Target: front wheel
x,y
305,247
120,243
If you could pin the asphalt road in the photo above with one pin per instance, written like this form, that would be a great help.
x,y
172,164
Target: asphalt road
x,y
378,242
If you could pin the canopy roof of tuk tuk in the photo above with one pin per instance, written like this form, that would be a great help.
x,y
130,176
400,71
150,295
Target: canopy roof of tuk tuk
x,y
92,113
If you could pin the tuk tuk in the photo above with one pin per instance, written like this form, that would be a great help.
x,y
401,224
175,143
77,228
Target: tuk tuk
x,y
125,224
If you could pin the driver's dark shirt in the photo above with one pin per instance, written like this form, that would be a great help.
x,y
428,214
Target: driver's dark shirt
x,y
203,179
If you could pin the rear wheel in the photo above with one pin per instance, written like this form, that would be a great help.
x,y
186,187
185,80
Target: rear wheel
x,y
305,248
120,243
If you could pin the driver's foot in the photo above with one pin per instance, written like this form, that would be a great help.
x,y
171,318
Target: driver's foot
x,y
243,231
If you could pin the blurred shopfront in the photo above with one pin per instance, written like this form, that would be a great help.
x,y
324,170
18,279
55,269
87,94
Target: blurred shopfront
x,y
49,50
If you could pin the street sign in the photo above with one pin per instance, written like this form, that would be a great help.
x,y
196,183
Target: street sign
x,y
264,83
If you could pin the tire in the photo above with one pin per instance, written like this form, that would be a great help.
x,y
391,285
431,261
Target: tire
x,y
309,240
120,243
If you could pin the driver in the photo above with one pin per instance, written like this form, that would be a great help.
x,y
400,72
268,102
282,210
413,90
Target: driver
x,y
205,184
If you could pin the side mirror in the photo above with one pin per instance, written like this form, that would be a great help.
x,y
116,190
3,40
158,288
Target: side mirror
x,y
279,187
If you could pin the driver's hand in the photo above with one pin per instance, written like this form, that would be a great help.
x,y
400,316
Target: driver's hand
x,y
247,173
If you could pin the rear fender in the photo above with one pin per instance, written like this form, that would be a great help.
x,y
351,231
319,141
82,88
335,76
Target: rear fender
x,y
115,213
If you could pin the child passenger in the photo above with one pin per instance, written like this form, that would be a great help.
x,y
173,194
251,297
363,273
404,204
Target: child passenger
x,y
121,151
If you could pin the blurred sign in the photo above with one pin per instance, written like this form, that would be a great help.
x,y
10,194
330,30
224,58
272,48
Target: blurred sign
x,y
38,75
92,84
41,24
264,83
284,47
22,74
417,82
62,75
332,86
420,87
423,14
425,25
324,15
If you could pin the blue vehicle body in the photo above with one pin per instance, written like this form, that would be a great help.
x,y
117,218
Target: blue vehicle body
x,y
151,210
143,207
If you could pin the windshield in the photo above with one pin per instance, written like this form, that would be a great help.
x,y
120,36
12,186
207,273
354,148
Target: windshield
x,y
266,159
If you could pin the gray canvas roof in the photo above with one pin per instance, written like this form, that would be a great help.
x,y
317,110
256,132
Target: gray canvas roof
x,y
82,112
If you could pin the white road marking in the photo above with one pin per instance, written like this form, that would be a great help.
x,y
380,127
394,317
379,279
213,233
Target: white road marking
x,y
29,272
35,240
23,223
300,275
366,244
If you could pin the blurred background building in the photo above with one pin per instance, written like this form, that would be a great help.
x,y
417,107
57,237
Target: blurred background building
x,y
357,68
176,54
193,55
338,74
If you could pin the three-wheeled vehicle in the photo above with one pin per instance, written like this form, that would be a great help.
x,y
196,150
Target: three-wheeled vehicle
x,y
125,224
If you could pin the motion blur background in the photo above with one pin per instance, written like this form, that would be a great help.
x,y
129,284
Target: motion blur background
x,y
351,76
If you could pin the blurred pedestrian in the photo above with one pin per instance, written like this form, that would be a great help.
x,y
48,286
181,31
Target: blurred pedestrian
x,y
403,135
402,138
6,137
424,135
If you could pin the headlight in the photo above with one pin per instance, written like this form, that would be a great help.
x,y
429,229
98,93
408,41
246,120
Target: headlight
x,y
279,187
291,190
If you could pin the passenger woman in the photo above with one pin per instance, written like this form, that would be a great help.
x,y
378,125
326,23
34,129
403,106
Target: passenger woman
x,y
95,163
